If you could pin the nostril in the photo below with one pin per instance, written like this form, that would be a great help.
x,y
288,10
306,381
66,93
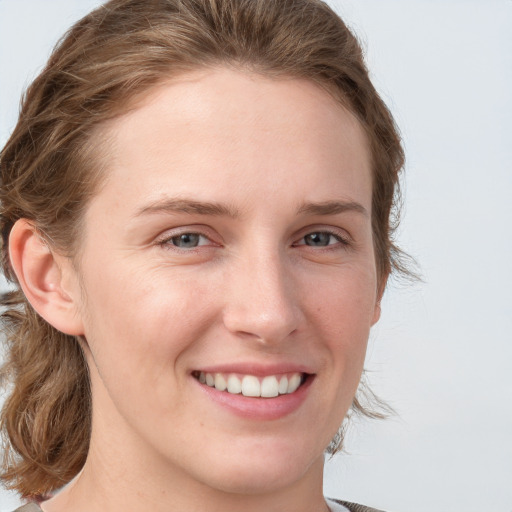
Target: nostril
x,y
261,328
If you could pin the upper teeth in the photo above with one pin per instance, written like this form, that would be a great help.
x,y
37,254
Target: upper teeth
x,y
249,385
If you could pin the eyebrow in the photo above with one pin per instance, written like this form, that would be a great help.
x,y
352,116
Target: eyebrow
x,y
333,208
188,206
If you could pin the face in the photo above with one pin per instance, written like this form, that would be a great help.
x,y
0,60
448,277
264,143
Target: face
x,y
230,245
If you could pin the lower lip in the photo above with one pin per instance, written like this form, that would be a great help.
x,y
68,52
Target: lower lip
x,y
263,409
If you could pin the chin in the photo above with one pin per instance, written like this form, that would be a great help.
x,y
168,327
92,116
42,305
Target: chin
x,y
251,481
266,468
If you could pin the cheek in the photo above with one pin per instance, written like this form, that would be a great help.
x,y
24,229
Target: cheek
x,y
344,301
342,309
139,322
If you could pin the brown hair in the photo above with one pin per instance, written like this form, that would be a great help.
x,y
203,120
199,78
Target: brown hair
x,y
50,168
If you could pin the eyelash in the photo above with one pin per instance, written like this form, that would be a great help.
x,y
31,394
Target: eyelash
x,y
167,242
344,241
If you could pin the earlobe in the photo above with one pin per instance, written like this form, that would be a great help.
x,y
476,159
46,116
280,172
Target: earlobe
x,y
45,278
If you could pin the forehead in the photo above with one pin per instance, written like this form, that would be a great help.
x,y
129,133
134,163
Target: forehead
x,y
237,127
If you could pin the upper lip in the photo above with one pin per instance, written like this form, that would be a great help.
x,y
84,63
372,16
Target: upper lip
x,y
256,369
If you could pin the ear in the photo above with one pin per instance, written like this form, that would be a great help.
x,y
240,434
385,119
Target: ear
x,y
380,292
48,280
376,312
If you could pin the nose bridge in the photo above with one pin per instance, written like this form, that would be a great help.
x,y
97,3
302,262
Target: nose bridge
x,y
262,302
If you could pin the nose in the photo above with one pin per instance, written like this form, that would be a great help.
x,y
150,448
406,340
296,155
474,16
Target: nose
x,y
261,300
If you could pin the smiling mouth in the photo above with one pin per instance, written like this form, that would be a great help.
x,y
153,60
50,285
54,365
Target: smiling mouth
x,y
252,386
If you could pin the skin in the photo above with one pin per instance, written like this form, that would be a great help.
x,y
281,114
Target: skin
x,y
277,278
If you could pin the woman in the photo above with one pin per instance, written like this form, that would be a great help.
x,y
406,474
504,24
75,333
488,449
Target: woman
x,y
196,210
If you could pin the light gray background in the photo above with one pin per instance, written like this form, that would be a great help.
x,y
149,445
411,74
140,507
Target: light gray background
x,y
442,353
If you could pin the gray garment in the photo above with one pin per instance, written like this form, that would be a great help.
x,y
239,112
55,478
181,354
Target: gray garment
x,y
353,507
31,507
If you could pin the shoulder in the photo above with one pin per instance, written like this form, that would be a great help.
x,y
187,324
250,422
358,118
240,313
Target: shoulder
x,y
354,507
30,507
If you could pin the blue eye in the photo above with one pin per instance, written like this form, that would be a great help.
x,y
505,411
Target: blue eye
x,y
321,239
188,240
318,239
